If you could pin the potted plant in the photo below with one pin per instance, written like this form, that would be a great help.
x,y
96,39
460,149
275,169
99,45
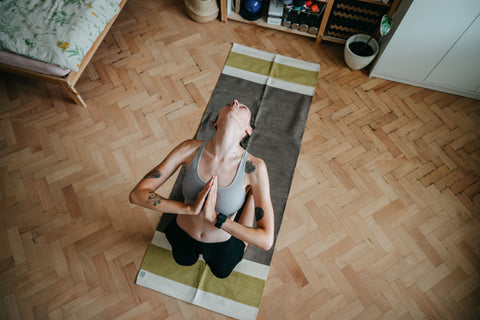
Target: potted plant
x,y
361,49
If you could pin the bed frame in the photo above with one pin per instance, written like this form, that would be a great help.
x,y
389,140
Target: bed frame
x,y
67,82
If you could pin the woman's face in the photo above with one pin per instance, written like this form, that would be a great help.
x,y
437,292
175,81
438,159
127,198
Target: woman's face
x,y
238,113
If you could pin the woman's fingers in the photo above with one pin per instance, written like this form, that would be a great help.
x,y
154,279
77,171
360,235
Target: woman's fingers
x,y
205,190
202,196
210,202
212,195
212,190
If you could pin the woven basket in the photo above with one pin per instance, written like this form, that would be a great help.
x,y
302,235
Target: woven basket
x,y
351,17
202,10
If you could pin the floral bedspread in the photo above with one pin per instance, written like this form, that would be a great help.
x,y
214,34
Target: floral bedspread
x,y
54,31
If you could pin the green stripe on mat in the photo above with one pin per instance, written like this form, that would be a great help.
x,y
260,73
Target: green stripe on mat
x,y
295,75
249,63
250,294
275,70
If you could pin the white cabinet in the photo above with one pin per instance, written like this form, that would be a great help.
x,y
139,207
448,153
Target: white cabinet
x,y
434,44
452,71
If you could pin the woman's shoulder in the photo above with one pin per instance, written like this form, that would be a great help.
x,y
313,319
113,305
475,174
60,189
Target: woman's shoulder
x,y
187,147
254,164
256,171
191,144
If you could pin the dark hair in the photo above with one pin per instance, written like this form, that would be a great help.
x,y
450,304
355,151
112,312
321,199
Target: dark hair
x,y
244,142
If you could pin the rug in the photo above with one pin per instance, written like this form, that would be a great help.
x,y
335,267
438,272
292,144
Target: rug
x,y
278,90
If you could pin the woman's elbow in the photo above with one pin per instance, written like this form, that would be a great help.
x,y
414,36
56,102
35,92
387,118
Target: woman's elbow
x,y
267,244
265,237
133,197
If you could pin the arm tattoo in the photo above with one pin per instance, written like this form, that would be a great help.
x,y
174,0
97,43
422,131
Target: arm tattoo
x,y
249,167
154,174
154,198
259,213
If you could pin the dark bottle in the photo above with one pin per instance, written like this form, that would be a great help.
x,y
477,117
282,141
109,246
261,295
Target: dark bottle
x,y
289,16
299,19
306,22
314,23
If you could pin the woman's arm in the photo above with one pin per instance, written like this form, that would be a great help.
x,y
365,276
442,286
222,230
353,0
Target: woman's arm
x,y
144,192
263,235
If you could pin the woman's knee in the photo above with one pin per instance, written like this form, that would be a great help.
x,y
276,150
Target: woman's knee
x,y
222,268
184,259
183,246
220,271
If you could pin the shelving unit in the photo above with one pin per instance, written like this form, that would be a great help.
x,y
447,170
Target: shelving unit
x,y
348,17
263,23
260,22
330,11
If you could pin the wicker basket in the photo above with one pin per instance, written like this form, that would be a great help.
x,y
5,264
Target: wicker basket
x,y
202,10
351,17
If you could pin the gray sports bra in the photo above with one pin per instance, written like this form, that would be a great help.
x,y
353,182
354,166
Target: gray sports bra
x,y
229,199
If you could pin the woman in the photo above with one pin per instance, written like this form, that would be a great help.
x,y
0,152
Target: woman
x,y
205,221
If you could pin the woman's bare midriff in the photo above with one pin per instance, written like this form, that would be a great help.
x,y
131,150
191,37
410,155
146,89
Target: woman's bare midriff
x,y
199,229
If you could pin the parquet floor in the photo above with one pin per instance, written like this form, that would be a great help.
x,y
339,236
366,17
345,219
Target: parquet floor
x,y
382,221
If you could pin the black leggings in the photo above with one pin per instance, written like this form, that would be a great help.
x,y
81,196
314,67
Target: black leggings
x,y
221,257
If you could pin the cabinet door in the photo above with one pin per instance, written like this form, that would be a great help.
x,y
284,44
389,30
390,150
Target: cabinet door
x,y
425,34
460,68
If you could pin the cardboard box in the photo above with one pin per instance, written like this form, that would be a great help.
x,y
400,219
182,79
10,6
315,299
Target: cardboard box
x,y
274,20
275,12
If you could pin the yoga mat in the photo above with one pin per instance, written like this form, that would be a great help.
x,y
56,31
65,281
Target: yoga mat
x,y
278,90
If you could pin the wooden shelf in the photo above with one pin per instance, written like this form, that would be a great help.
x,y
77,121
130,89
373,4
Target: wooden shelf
x,y
262,22
327,24
333,39
392,5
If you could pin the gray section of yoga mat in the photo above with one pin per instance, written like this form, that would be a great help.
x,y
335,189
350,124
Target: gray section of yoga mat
x,y
280,118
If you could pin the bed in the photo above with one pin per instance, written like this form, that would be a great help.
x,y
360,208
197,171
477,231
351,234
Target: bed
x,y
54,40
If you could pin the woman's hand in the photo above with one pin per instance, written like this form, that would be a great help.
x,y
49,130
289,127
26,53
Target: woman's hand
x,y
209,209
197,207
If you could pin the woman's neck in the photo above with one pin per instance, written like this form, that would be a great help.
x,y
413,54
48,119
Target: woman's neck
x,y
224,146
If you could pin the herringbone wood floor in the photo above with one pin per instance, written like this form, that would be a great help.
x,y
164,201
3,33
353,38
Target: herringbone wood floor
x,y
382,221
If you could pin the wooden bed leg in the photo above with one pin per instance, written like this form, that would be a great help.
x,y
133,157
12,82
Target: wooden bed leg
x,y
223,10
73,93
